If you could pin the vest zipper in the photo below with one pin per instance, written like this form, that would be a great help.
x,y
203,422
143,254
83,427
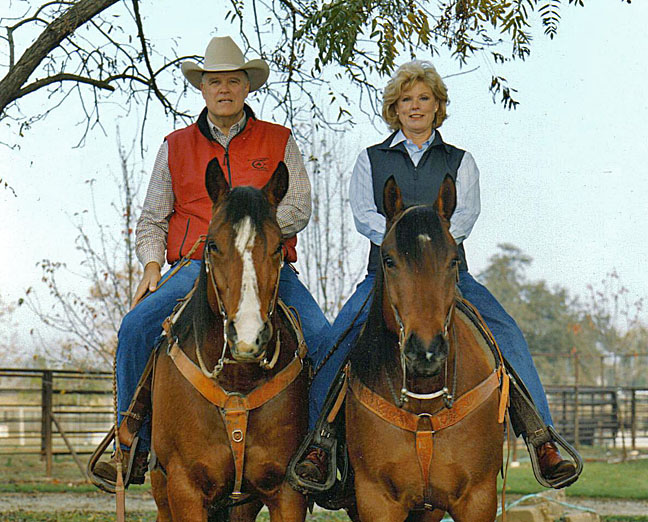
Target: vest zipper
x,y
227,162
184,238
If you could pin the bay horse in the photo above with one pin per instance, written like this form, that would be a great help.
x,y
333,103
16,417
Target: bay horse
x,y
424,421
229,393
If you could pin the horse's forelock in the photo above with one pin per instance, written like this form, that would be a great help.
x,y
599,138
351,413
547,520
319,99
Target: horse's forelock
x,y
249,202
415,228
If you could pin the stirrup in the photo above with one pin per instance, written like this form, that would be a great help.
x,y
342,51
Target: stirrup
x,y
526,421
321,438
101,483
553,436
324,437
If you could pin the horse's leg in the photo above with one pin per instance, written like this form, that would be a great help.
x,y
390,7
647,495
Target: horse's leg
x,y
376,505
246,512
477,504
287,505
185,498
159,489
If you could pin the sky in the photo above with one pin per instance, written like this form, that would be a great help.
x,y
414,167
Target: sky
x,y
564,177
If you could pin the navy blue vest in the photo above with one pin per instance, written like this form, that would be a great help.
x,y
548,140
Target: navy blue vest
x,y
419,184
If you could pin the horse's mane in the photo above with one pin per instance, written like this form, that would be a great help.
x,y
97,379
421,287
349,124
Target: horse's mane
x,y
374,348
372,351
241,202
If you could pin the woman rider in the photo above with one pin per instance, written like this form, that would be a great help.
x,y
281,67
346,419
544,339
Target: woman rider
x,y
414,107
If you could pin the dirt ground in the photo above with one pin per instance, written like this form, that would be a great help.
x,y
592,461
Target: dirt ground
x,y
144,502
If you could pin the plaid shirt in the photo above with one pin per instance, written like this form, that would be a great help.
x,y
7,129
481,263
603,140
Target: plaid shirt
x,y
293,212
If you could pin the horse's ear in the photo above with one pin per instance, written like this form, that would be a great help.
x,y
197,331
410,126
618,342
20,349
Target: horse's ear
x,y
217,186
276,188
447,199
392,199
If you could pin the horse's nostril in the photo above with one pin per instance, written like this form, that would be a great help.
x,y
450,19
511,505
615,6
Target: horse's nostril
x,y
265,334
230,331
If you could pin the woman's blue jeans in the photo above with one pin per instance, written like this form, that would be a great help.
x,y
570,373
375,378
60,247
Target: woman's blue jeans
x,y
508,335
143,324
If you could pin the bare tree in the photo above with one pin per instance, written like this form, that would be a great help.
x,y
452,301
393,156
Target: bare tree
x,y
329,255
109,267
8,353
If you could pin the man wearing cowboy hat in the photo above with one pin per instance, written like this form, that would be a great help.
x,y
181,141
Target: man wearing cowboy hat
x,y
177,211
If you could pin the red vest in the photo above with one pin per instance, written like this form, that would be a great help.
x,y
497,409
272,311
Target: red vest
x,y
253,157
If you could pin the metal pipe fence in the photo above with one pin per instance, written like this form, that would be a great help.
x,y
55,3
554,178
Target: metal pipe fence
x,y
51,412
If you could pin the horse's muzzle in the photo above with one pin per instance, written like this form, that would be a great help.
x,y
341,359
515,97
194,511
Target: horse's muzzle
x,y
243,351
425,360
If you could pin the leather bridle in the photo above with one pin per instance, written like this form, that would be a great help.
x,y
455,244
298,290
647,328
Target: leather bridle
x,y
261,359
448,397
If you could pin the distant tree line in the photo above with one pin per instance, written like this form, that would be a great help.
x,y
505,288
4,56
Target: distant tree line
x,y
604,328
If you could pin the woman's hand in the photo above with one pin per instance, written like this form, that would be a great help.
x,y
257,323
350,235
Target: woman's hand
x,y
150,279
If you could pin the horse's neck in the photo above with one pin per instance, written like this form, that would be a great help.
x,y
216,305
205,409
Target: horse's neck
x,y
475,362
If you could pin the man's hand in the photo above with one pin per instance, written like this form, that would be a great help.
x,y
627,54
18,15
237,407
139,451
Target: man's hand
x,y
150,279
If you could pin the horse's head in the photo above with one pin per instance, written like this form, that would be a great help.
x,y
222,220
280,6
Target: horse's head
x,y
420,262
243,257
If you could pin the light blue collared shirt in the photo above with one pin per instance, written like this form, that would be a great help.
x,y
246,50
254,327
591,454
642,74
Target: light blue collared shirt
x,y
371,224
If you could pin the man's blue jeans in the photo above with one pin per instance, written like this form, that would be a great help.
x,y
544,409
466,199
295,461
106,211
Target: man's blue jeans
x,y
508,335
143,324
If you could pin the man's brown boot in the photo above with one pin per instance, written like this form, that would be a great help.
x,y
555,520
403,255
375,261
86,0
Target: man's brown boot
x,y
314,466
107,470
552,466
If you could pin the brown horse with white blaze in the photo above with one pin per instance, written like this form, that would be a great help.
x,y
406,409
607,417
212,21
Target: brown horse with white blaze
x,y
229,393
423,416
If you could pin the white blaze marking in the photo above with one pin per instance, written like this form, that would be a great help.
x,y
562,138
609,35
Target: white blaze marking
x,y
248,316
423,238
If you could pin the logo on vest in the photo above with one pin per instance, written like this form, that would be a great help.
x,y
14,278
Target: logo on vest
x,y
260,164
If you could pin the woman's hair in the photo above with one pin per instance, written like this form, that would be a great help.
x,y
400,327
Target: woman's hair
x,y
405,77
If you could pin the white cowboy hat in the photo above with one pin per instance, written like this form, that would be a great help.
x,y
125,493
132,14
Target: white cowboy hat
x,y
223,55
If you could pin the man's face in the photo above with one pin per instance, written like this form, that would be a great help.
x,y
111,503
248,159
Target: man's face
x,y
224,94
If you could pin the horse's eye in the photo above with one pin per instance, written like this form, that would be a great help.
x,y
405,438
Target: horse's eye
x,y
389,262
454,263
212,247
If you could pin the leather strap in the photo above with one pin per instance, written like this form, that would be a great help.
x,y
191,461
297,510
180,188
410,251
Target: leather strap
x,y
405,420
235,416
340,398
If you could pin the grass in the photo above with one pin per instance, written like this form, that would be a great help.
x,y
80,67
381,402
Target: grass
x,y
599,479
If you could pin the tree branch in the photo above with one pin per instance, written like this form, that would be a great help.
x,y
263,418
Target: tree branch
x,y
101,84
51,37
